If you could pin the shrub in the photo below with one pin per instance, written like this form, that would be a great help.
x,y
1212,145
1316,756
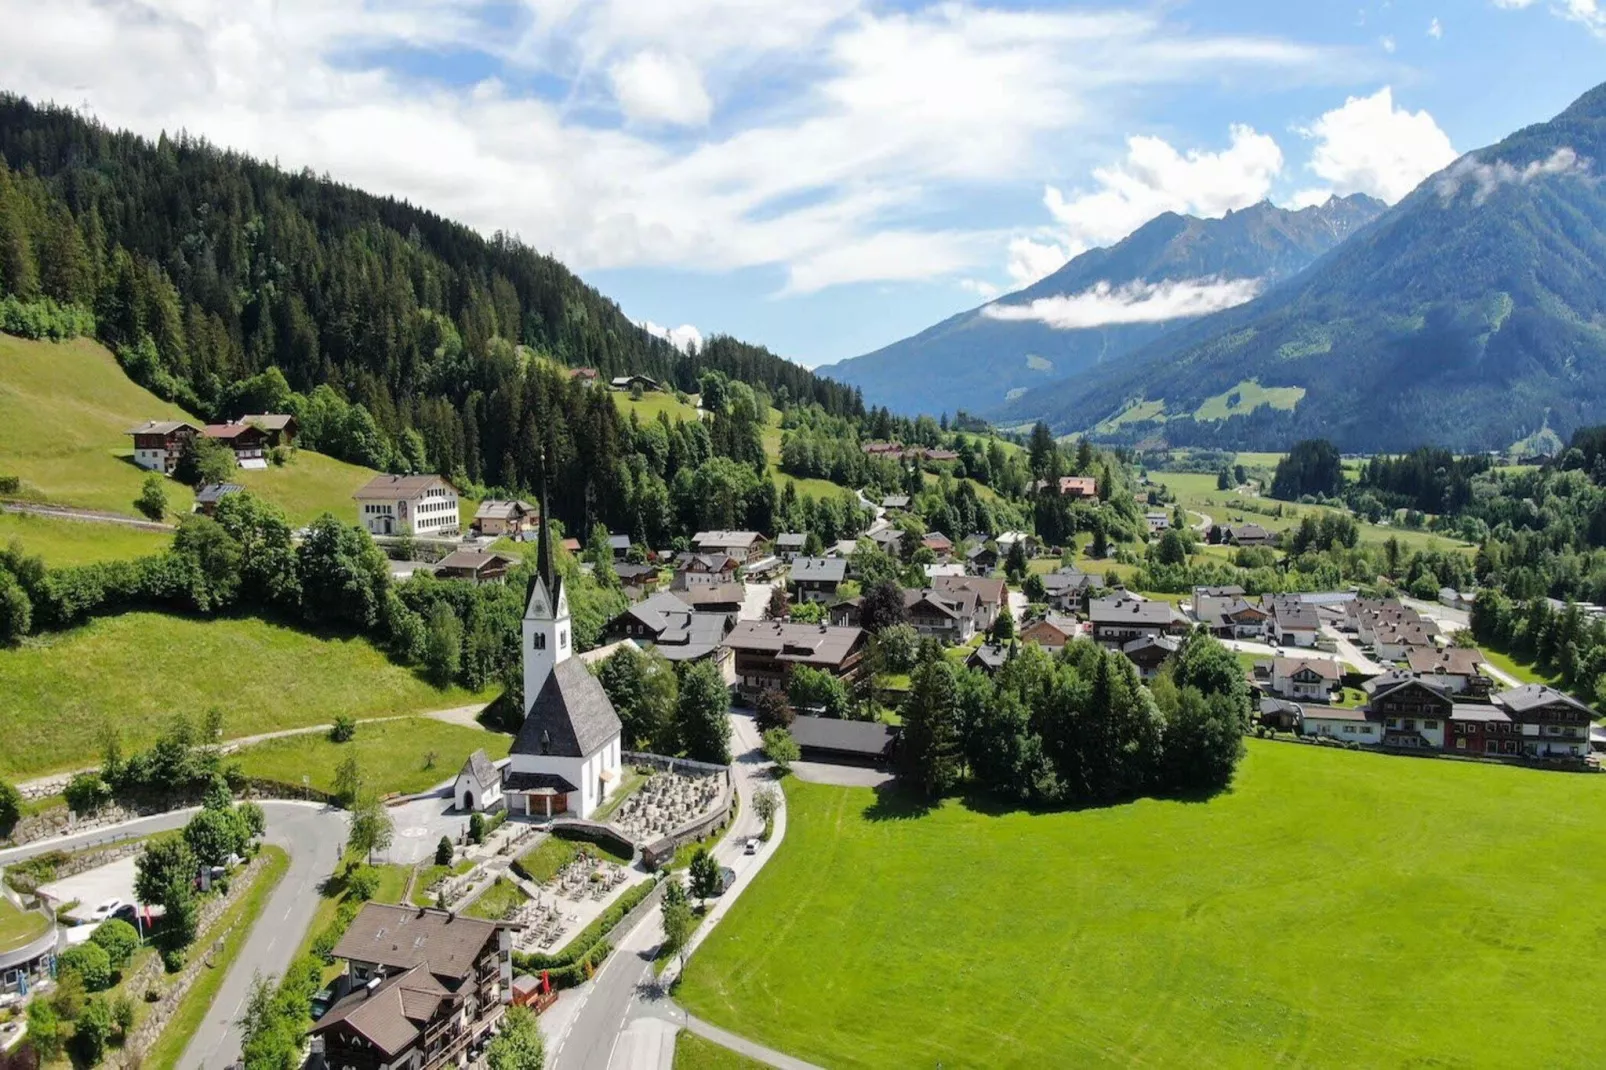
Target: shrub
x,y
172,958
10,807
123,1015
152,500
476,828
443,851
119,939
345,727
44,1030
93,1030
87,793
91,962
362,883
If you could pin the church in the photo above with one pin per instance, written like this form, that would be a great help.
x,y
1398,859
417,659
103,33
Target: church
x,y
567,756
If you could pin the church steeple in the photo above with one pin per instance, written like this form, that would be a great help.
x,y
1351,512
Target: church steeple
x,y
547,634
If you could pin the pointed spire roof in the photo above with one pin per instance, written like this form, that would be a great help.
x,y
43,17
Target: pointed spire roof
x,y
545,576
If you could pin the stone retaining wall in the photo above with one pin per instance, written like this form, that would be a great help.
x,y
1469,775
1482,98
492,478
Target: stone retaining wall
x,y
161,1012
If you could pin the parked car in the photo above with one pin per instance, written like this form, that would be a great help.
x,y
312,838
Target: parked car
x,y
752,846
106,910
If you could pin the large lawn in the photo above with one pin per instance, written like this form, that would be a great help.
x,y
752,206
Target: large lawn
x,y
134,670
405,756
77,542
1334,909
18,928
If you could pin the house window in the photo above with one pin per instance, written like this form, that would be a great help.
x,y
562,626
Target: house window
x,y
1430,725
1460,744
1410,724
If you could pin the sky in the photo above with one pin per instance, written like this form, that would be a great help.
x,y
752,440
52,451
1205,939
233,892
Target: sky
x,y
820,176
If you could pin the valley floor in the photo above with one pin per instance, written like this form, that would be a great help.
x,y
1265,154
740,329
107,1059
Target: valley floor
x,y
1332,909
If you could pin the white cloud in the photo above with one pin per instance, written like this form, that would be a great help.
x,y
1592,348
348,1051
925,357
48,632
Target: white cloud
x,y
1138,302
1031,260
682,338
981,288
1154,177
1436,29
654,88
1388,43
1587,13
840,128
1370,146
1485,178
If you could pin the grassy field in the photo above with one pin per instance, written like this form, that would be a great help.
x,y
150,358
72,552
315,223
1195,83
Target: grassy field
x,y
74,542
1525,671
64,411
498,901
394,755
429,875
1196,491
1136,412
137,669
652,404
19,927
692,1052
1250,396
1328,911
197,1002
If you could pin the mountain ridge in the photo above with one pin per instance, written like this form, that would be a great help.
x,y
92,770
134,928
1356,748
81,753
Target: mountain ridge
x,y
1471,315
975,359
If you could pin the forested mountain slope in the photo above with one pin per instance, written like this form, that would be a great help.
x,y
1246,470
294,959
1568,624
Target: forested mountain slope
x,y
410,340
977,360
1470,316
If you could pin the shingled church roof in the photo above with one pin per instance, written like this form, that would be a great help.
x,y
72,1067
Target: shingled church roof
x,y
571,717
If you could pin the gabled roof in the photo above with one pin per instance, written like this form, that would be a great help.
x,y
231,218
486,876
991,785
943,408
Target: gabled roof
x,y
1292,613
395,488
479,769
618,542
404,937
629,574
829,733
678,632
686,561
1151,642
991,655
895,501
819,569
213,492
161,427
392,1014
491,509
1531,696
812,644
718,540
474,560
791,540
1065,626
572,717
1456,660
1069,580
269,421
1326,668
1378,686
713,594
988,590
1128,611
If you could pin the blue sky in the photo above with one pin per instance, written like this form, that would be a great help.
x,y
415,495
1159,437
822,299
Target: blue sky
x,y
821,176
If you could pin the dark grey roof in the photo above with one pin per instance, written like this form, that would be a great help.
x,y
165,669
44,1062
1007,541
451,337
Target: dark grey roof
x,y
536,782
480,768
993,655
827,733
628,572
213,491
1278,705
618,542
679,632
1293,613
1144,642
1069,580
1529,696
1382,685
820,569
1126,611
571,717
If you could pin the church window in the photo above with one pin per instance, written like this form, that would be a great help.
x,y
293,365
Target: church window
x,y
546,743
540,640
563,638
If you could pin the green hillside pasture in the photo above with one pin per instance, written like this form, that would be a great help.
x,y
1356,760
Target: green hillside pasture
x,y
1277,924
135,670
1136,412
64,409
1250,396
403,756
76,542
1196,491
651,404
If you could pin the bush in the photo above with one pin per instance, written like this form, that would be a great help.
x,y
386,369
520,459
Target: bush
x,y
476,828
92,962
87,793
362,883
93,1030
123,1016
172,959
588,947
443,851
119,939
345,727
44,1030
152,500
10,807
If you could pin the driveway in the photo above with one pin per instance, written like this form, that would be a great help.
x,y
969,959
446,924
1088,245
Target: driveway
x,y
755,601
842,776
1348,651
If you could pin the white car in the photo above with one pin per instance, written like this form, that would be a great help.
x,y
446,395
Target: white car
x,y
752,846
107,909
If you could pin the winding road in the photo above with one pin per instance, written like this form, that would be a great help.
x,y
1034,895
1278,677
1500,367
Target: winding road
x,y
311,834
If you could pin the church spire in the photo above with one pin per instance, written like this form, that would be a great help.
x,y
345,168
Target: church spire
x,y
543,546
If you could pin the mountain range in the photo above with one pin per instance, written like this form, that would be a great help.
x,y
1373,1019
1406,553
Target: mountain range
x,y
1471,315
1100,306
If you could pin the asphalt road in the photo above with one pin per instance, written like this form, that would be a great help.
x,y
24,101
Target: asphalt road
x,y
625,988
310,834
